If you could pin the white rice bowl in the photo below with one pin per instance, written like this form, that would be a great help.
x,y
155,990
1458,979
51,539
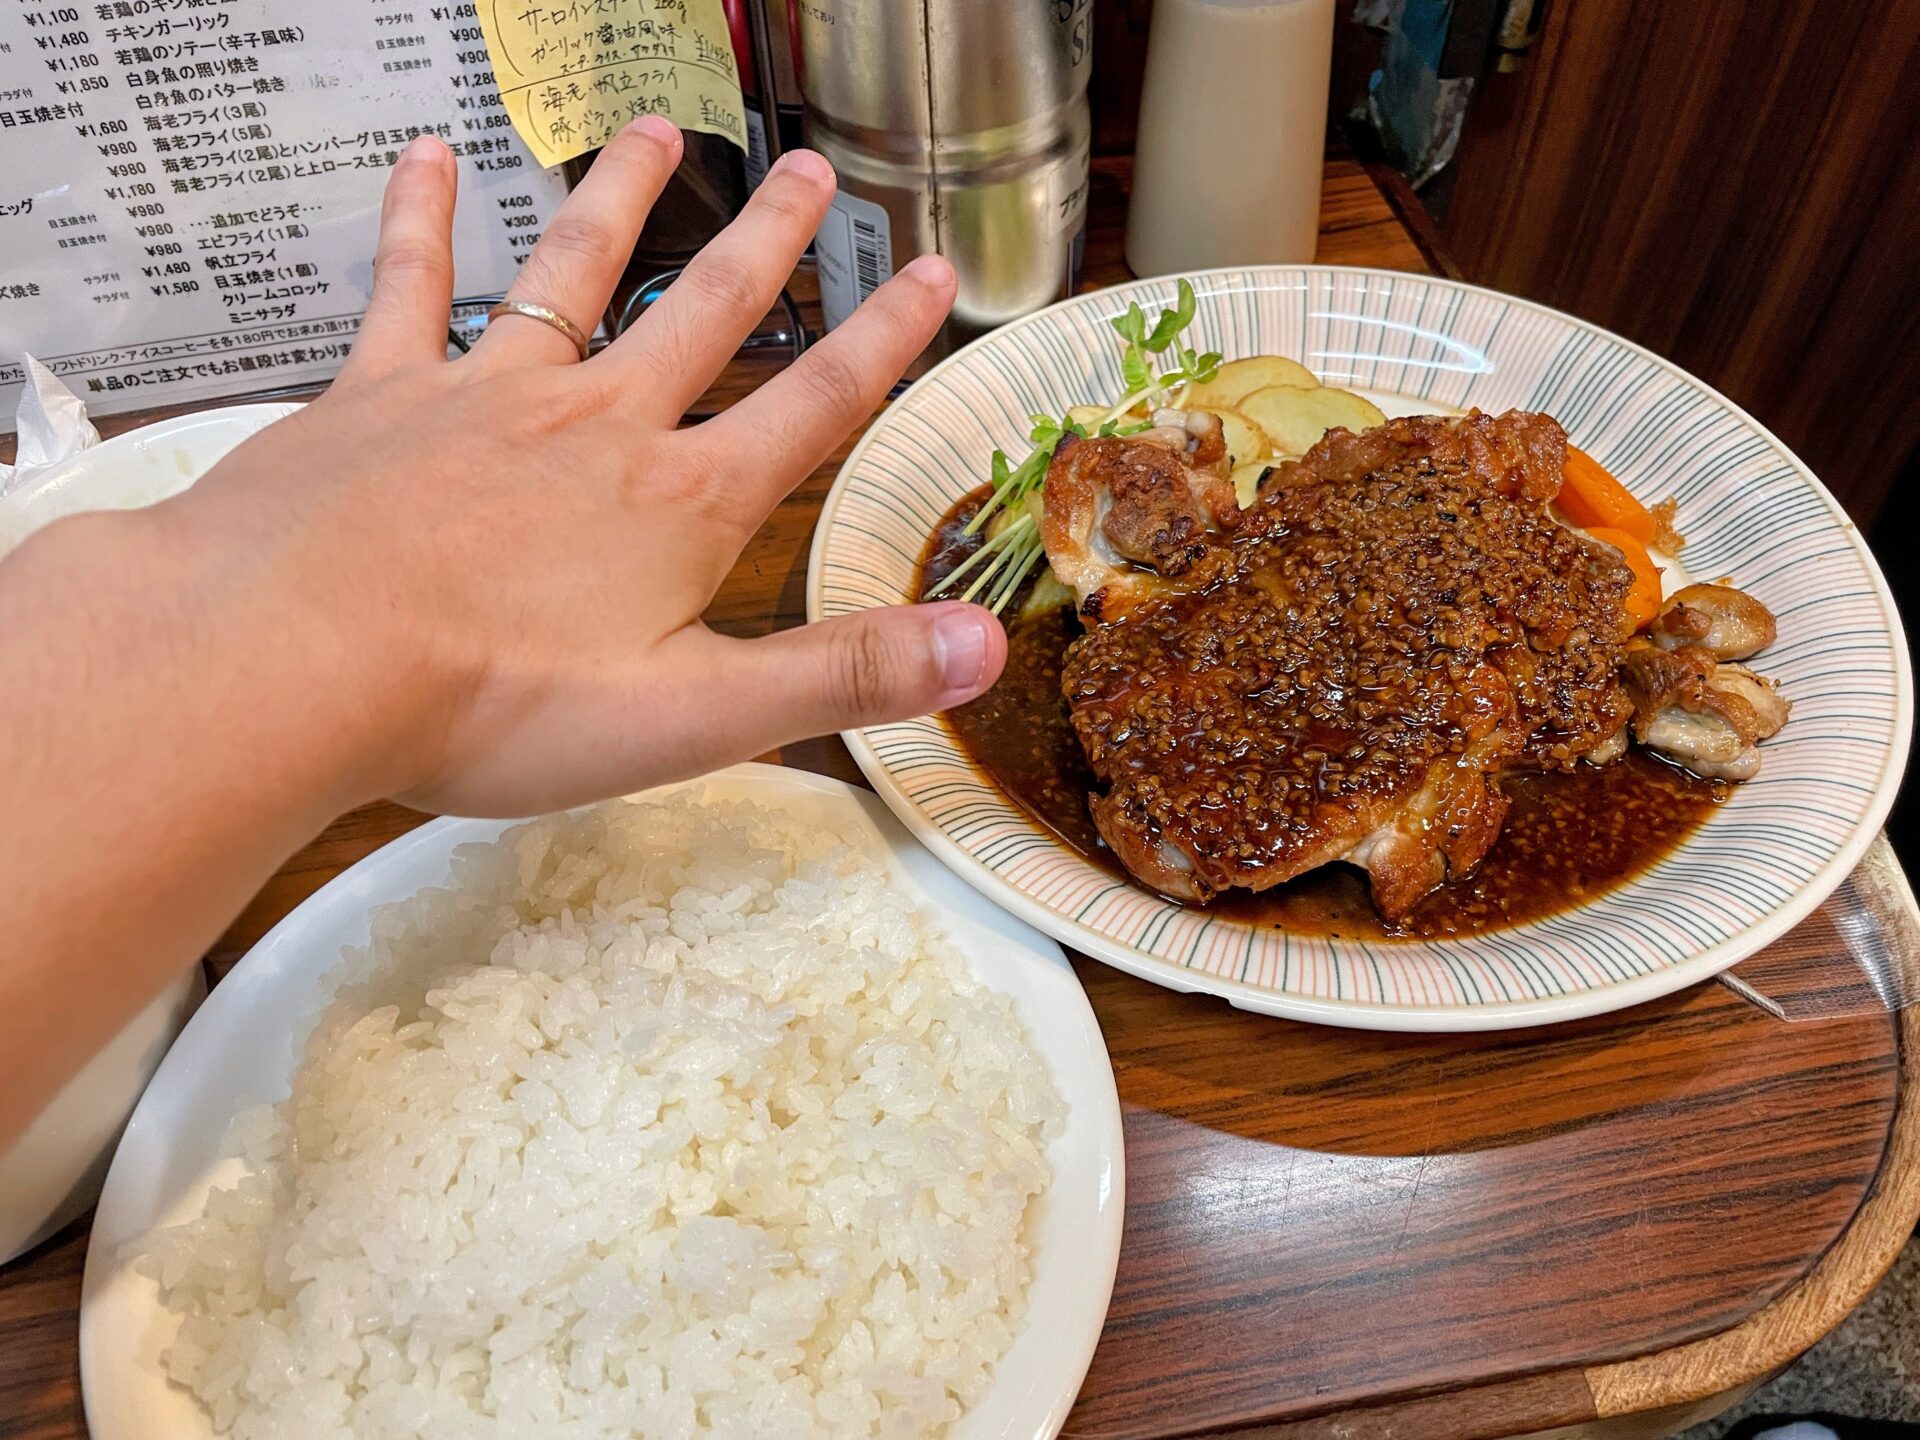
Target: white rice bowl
x,y
664,1120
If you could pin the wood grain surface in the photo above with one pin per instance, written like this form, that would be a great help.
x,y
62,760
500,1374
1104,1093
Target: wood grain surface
x,y
1336,1233
1731,186
1319,1219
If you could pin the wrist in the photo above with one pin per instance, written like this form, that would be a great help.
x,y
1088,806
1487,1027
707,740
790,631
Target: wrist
x,y
315,661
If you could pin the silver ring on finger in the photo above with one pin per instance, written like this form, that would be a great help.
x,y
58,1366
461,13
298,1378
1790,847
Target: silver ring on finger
x,y
546,316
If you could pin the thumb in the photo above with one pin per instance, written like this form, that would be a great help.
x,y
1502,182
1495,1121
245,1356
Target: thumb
x,y
868,668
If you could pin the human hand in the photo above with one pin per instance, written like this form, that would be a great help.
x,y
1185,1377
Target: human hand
x,y
512,550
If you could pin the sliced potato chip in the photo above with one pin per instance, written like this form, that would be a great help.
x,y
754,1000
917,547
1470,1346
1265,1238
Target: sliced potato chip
x,y
1088,415
1295,417
1245,440
1047,594
1237,379
1246,481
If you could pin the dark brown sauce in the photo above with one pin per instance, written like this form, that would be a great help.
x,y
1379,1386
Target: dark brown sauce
x,y
1568,838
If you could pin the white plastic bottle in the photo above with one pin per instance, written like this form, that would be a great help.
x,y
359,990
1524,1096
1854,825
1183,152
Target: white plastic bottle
x,y
1233,129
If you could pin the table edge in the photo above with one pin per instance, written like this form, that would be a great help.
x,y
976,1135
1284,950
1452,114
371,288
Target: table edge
x,y
1789,1324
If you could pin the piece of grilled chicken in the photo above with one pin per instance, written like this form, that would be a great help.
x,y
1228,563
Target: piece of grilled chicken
x,y
1126,520
1691,702
1341,671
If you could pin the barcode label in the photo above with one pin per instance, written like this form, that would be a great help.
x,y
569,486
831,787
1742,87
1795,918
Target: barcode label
x,y
855,251
870,258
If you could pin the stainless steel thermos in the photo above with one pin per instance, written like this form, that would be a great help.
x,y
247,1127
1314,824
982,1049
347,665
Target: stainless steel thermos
x,y
955,125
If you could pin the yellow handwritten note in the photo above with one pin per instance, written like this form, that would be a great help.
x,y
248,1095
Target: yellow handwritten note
x,y
572,72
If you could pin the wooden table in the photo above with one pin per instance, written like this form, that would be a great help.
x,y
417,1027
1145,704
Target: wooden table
x,y
1608,1228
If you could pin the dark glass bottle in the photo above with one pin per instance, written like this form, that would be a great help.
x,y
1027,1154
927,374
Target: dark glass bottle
x,y
704,193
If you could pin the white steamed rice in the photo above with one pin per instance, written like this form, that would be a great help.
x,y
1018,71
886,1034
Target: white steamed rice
x,y
666,1120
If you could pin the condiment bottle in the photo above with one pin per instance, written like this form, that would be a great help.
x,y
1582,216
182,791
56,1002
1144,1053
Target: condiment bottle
x,y
1233,128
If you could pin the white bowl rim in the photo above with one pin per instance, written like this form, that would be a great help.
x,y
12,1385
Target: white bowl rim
x,y
1095,1258
258,415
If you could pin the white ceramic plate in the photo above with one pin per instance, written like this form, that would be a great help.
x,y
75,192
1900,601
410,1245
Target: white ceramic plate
x,y
141,467
1414,344
241,1048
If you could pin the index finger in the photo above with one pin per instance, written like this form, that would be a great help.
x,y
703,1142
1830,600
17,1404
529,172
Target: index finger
x,y
770,441
682,341
412,299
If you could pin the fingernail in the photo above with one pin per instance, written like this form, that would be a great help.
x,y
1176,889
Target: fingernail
x,y
960,647
931,269
658,127
424,147
809,163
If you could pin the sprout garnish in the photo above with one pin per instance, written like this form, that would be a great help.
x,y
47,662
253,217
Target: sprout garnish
x,y
1013,542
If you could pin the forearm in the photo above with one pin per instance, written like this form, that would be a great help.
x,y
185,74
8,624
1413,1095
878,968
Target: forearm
x,y
176,721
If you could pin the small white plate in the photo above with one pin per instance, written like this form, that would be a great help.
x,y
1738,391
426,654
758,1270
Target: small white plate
x,y
139,468
1757,867
241,1050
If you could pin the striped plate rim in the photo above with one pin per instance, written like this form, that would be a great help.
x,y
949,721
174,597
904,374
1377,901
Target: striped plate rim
x,y
1735,886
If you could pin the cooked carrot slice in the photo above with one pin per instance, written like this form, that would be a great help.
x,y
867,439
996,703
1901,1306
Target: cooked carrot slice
x,y
1643,600
1589,496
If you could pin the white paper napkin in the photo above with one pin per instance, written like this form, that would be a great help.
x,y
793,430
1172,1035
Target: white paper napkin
x,y
52,424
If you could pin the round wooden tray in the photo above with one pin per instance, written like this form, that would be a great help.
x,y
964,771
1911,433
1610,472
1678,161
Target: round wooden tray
x,y
1546,1227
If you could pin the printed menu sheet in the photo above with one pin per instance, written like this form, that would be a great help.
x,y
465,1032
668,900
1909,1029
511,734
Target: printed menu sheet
x,y
190,189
